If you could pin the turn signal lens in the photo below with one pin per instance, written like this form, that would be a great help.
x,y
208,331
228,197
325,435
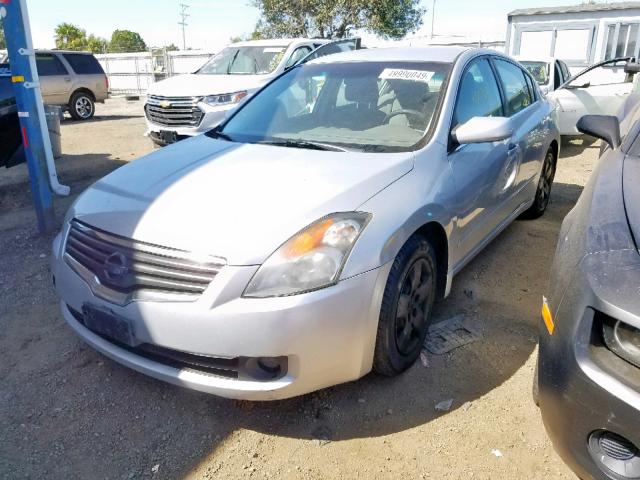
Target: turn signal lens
x,y
547,317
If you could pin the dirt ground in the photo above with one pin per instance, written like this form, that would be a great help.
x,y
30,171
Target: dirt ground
x,y
68,412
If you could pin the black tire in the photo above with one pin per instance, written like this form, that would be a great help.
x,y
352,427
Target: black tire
x,y
535,388
411,288
543,192
82,106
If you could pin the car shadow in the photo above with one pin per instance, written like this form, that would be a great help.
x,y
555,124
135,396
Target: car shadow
x,y
68,120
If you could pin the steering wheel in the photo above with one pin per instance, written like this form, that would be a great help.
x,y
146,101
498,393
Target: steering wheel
x,y
405,111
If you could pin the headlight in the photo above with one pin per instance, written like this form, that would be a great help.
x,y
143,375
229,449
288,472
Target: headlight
x,y
224,99
312,259
623,340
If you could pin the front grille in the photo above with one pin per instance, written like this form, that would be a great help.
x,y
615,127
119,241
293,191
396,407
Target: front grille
x,y
129,267
174,111
203,364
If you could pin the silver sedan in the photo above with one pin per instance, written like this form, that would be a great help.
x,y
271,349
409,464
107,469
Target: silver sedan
x,y
303,242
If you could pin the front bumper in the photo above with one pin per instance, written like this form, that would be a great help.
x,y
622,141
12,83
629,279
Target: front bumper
x,y
327,336
585,389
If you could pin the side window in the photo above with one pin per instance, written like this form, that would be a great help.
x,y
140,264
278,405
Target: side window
x,y
83,64
297,55
532,88
48,64
565,69
478,95
559,78
516,93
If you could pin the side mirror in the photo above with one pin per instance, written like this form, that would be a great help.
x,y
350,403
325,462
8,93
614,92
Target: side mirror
x,y
482,130
604,127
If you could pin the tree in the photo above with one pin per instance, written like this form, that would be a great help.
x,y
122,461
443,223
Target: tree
x,y
3,42
171,48
97,44
126,41
337,18
70,37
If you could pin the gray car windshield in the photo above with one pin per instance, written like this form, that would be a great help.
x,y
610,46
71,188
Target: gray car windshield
x,y
244,61
538,70
368,106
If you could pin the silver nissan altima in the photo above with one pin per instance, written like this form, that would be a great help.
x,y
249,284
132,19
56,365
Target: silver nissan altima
x,y
303,242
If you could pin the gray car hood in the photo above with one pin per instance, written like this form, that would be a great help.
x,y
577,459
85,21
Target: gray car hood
x,y
631,189
237,201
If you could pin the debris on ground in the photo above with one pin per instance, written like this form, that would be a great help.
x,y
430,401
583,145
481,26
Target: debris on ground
x,y
497,453
450,334
445,405
424,359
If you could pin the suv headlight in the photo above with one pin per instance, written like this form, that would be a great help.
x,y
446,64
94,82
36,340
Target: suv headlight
x,y
312,259
224,99
622,339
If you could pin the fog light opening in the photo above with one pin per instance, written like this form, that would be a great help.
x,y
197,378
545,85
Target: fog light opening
x,y
614,453
264,368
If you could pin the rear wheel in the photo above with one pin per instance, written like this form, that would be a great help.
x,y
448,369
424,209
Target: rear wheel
x,y
543,192
81,106
407,302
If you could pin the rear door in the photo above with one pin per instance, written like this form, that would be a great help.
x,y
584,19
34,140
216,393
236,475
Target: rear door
x,y
598,90
88,73
55,80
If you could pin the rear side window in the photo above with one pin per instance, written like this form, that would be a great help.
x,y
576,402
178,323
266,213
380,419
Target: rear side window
x,y
83,64
515,88
478,95
532,88
48,64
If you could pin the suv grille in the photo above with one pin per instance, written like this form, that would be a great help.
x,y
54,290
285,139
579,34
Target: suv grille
x,y
131,268
174,111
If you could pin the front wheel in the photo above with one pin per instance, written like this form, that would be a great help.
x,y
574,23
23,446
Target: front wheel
x,y
407,302
81,106
543,192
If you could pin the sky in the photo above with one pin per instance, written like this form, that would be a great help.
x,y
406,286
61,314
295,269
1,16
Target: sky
x,y
213,22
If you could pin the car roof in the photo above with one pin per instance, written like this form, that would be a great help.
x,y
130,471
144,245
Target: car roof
x,y
276,42
63,51
397,54
522,58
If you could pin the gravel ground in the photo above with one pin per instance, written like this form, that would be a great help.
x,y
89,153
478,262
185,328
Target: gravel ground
x,y
68,412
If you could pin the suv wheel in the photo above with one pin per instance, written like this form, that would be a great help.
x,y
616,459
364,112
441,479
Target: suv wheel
x,y
81,106
405,314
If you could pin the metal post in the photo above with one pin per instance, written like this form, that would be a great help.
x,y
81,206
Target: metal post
x,y
433,16
183,14
30,111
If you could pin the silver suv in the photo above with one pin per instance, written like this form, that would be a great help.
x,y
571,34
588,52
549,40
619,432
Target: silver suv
x,y
73,80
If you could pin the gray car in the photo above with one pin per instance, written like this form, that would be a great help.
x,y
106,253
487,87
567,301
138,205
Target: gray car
x,y
303,242
588,377
72,80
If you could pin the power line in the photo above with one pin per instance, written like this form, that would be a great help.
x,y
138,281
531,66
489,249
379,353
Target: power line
x,y
183,15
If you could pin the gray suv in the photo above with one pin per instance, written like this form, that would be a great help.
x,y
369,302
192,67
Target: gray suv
x,y
73,80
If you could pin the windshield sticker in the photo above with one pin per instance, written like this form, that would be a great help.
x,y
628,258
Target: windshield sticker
x,y
273,50
404,74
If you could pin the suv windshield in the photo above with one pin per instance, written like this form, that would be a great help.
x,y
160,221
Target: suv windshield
x,y
244,61
367,106
538,70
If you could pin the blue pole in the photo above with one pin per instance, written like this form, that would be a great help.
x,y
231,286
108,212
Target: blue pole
x,y
26,85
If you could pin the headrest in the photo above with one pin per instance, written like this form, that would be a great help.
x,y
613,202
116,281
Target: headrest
x,y
361,90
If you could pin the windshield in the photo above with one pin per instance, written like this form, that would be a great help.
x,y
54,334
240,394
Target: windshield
x,y
538,70
244,61
366,106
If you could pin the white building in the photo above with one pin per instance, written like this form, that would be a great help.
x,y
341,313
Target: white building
x,y
581,35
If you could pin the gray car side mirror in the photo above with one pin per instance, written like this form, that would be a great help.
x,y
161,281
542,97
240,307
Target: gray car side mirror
x,y
482,130
604,127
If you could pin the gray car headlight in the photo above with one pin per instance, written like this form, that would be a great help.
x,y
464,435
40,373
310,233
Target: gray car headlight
x,y
224,99
623,340
312,259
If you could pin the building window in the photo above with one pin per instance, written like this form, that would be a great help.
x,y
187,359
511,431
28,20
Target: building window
x,y
622,40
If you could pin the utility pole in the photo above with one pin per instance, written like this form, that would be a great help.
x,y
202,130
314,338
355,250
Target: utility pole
x,y
433,16
183,15
26,85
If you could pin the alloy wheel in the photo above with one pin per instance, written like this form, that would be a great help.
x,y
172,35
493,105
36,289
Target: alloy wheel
x,y
413,301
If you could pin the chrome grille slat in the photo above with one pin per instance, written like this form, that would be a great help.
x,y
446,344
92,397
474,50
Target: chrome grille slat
x,y
148,267
177,111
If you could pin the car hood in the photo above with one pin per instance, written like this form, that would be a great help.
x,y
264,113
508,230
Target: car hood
x,y
195,85
631,189
237,201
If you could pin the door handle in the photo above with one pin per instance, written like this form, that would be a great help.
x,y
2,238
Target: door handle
x,y
67,79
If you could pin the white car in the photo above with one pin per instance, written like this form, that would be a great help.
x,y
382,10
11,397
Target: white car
x,y
600,89
188,105
549,72
302,242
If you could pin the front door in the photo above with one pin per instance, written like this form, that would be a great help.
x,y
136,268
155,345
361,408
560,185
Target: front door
x,y
484,173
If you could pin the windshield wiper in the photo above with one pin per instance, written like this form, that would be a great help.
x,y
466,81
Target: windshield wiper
x,y
233,60
303,144
222,135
